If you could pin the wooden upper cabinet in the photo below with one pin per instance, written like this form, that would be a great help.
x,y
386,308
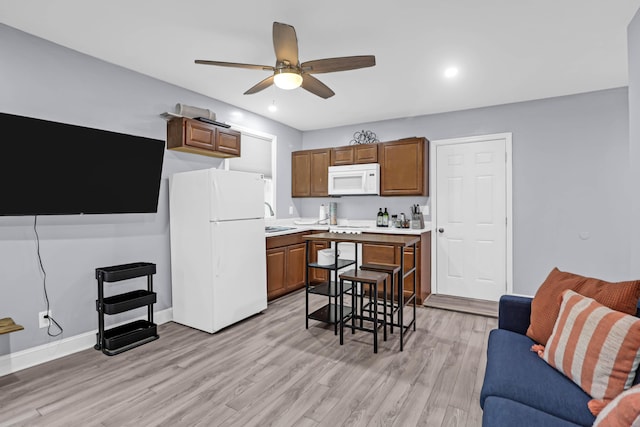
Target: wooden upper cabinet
x,y
309,173
366,153
403,167
320,172
194,136
342,155
228,141
354,154
300,174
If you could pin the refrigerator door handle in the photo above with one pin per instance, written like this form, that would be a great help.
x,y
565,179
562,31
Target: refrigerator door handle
x,y
218,260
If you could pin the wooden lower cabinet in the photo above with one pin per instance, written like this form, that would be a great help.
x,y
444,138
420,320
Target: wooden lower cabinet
x,y
317,275
386,254
286,261
276,269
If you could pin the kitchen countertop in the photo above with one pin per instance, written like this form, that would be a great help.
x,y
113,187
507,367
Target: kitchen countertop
x,y
344,226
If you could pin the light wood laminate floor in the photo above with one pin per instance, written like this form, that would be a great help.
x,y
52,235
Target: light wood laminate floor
x,y
265,371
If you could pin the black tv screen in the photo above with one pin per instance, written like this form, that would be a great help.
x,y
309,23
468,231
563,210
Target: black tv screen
x,y
49,168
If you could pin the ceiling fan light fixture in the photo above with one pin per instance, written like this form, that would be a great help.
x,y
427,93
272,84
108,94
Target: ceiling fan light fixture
x,y
287,78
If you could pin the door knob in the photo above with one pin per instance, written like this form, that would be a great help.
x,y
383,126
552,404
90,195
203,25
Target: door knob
x,y
440,230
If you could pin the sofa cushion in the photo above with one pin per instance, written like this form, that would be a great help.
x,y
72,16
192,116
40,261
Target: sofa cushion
x,y
516,373
596,347
620,296
623,411
501,412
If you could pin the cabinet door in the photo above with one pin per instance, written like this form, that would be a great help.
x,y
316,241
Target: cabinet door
x,y
342,156
317,274
387,254
199,135
366,153
276,270
300,174
228,141
320,172
403,168
378,254
295,266
193,136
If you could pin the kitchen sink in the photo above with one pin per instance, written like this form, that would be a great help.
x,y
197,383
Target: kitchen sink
x,y
275,229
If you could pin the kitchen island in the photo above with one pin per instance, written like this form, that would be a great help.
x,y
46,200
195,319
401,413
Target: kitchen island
x,y
330,289
286,254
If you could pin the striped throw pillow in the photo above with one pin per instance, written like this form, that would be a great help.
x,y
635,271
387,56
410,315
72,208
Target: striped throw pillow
x,y
596,347
623,411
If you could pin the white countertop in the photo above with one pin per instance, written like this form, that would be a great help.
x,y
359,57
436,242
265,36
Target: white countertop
x,y
344,226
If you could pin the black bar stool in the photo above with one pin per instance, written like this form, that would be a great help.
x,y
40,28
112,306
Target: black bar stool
x,y
392,270
368,312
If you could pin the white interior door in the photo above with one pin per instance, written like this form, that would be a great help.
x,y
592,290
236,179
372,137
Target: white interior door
x,y
471,218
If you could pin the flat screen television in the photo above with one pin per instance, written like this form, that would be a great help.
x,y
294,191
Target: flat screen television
x,y
49,168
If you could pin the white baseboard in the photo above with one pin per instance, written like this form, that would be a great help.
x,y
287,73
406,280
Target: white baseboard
x,y
19,360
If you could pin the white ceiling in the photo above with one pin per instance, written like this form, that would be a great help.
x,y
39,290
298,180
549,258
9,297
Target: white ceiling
x,y
507,51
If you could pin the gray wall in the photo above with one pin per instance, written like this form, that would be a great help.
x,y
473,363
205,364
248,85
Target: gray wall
x,y
633,35
570,175
44,80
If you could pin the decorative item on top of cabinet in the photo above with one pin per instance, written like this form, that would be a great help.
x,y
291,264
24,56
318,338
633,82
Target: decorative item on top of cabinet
x,y
364,137
309,173
199,137
404,167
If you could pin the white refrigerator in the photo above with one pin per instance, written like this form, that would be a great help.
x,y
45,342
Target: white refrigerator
x,y
218,255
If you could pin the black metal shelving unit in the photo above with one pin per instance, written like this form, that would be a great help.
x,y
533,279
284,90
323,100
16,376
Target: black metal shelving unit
x,y
125,337
329,289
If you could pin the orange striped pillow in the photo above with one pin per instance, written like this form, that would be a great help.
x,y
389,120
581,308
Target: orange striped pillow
x,y
623,411
596,347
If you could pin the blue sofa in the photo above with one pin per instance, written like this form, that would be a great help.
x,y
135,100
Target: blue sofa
x,y
521,389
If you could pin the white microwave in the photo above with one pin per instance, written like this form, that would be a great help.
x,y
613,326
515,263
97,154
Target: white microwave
x,y
354,179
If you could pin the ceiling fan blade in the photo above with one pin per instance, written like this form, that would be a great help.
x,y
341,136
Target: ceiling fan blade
x,y
235,65
316,87
285,43
260,86
344,63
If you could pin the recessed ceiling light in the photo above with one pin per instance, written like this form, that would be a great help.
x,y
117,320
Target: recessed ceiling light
x,y
451,72
273,107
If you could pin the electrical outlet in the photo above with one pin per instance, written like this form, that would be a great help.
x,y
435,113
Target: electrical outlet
x,y
43,322
290,210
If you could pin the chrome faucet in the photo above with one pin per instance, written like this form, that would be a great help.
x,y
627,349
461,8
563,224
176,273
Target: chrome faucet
x,y
272,213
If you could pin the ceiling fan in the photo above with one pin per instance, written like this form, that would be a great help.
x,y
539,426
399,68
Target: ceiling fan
x,y
289,73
